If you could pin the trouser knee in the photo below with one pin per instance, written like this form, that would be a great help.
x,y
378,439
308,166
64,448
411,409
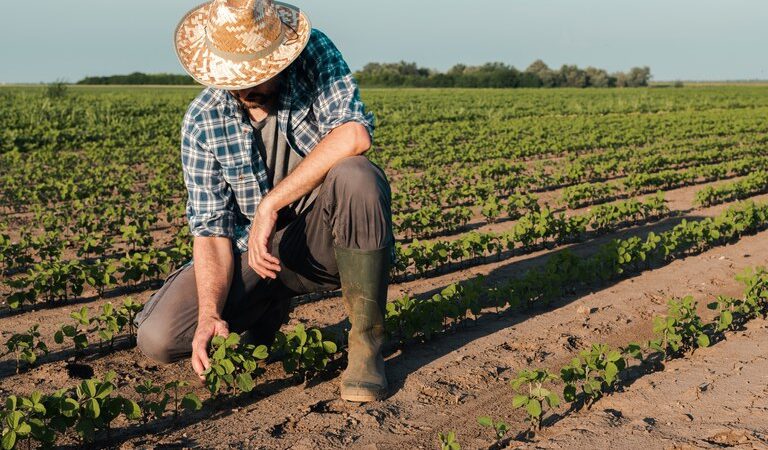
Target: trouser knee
x,y
361,208
156,344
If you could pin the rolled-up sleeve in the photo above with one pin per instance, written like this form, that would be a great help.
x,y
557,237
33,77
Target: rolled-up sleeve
x,y
337,97
209,202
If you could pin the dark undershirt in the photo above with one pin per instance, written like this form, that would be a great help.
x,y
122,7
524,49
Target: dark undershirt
x,y
280,161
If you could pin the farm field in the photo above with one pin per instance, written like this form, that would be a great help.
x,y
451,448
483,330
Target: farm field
x,y
531,224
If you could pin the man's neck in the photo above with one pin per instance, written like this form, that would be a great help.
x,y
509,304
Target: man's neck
x,y
259,114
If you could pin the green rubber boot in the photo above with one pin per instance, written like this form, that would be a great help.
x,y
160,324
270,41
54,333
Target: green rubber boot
x,y
364,278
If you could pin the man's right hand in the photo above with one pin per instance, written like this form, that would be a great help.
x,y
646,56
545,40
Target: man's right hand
x,y
207,328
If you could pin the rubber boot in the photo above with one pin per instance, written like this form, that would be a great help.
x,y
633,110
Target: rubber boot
x,y
364,276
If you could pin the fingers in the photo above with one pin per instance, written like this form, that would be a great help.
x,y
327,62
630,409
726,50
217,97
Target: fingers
x,y
200,361
197,366
222,329
262,262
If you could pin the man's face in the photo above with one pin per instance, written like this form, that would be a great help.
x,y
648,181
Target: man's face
x,y
260,96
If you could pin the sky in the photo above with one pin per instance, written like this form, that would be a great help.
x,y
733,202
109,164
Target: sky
x,y
45,40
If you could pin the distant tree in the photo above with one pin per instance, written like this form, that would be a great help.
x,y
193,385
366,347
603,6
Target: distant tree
x,y
547,76
572,76
639,76
636,77
597,77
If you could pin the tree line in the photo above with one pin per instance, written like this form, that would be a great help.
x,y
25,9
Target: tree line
x,y
408,74
498,75
140,78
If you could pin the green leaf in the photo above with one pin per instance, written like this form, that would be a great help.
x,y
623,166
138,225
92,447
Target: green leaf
x,y
553,400
485,421
245,382
92,408
261,352
569,393
611,370
89,387
329,347
703,340
191,402
131,409
220,353
232,340
534,408
9,440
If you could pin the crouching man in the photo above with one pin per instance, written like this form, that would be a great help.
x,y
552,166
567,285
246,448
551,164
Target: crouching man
x,y
281,199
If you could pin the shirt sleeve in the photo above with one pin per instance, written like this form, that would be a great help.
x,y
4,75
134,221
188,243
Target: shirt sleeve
x,y
337,94
209,202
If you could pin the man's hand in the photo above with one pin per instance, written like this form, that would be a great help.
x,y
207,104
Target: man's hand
x,y
262,231
207,328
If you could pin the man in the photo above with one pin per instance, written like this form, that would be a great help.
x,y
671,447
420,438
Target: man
x,y
282,200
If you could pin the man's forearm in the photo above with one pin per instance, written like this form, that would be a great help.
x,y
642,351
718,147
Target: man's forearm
x,y
214,267
348,139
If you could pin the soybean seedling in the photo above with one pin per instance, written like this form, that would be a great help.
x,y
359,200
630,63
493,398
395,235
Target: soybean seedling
x,y
596,370
190,401
26,346
448,441
537,396
233,364
304,350
500,428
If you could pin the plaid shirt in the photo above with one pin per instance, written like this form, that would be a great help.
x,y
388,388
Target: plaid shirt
x,y
223,171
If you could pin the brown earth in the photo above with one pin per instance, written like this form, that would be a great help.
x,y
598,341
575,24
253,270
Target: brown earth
x,y
446,383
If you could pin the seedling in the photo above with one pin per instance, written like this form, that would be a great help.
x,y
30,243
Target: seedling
x,y
595,371
190,401
153,400
26,346
305,350
681,330
537,397
500,428
233,364
108,325
128,311
448,441
14,424
75,332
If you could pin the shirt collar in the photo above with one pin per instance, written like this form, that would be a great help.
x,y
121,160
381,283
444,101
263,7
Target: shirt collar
x,y
233,108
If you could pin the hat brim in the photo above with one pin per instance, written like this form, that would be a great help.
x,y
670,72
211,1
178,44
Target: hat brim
x,y
214,71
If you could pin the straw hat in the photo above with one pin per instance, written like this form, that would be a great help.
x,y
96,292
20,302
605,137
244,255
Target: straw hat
x,y
237,44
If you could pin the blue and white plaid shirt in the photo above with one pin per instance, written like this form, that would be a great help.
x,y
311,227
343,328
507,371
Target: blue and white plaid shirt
x,y
224,174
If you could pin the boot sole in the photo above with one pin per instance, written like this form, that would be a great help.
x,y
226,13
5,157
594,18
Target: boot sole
x,y
363,396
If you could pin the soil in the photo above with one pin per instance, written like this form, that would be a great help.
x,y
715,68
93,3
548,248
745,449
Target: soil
x,y
714,398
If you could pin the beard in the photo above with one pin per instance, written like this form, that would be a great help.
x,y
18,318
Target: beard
x,y
254,101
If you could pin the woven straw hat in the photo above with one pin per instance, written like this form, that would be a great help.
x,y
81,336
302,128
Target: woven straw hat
x,y
237,44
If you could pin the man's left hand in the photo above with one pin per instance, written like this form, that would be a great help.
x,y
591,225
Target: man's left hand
x,y
262,231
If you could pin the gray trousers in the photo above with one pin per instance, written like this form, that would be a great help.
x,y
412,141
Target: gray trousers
x,y
352,209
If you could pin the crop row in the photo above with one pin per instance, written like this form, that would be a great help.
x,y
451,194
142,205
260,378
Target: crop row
x,y
531,229
601,369
753,184
591,193
432,220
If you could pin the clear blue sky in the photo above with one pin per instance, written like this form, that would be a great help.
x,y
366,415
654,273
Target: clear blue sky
x,y
44,40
